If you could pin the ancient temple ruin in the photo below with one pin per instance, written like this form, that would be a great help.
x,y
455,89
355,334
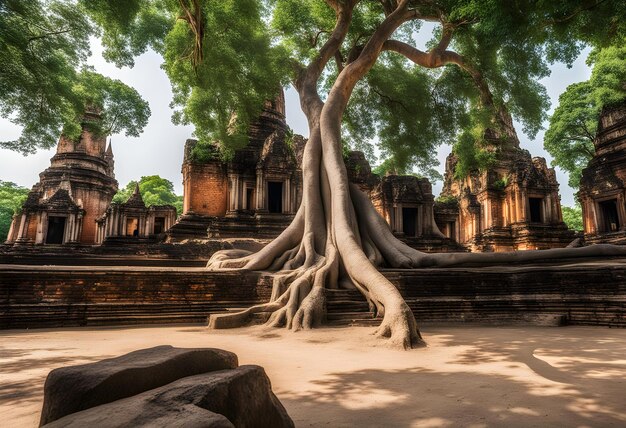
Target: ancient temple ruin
x,y
406,202
514,205
602,191
71,194
254,194
133,222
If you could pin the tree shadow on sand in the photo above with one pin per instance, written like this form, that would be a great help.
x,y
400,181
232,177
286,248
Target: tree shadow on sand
x,y
581,383
15,360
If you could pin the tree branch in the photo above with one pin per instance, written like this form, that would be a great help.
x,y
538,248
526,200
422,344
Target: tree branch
x,y
306,79
436,58
52,33
389,99
315,39
575,13
339,60
194,19
439,57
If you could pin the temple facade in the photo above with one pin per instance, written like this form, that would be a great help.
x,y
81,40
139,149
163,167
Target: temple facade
x,y
254,194
406,202
77,188
514,205
132,221
602,191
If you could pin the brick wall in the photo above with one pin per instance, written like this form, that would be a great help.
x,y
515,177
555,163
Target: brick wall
x,y
69,296
205,189
45,296
32,227
94,203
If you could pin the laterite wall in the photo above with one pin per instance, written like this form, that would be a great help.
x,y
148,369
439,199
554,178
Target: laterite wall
x,y
39,296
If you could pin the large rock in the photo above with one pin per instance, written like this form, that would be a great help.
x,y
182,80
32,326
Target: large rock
x,y
72,389
241,397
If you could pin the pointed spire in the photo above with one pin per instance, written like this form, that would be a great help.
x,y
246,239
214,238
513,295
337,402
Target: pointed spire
x,y
64,192
108,157
135,199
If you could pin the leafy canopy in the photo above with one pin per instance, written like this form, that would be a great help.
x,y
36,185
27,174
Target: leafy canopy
x,y
218,54
410,109
224,58
154,190
45,84
573,125
12,198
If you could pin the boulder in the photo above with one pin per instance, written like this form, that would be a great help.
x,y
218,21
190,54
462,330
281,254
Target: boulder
x,y
72,389
240,397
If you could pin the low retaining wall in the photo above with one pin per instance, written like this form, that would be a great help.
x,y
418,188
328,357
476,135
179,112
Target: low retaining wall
x,y
53,296
590,293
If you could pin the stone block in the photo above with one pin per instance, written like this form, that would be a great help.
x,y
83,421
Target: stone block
x,y
72,389
241,397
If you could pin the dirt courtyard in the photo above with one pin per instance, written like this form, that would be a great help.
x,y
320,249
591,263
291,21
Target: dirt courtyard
x,y
469,376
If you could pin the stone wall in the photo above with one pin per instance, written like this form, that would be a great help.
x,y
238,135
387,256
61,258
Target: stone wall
x,y
583,293
205,189
57,296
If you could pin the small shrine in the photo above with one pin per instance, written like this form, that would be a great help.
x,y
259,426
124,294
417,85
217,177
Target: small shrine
x,y
602,191
132,221
71,194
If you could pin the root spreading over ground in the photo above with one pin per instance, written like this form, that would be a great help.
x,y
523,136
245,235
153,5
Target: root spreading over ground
x,y
337,238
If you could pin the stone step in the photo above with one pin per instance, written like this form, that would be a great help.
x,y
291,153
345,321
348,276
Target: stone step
x,y
346,303
349,315
371,322
348,308
346,300
544,320
330,293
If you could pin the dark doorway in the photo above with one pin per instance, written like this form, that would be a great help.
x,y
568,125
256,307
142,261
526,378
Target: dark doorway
x,y
275,196
159,225
249,198
451,230
56,230
409,221
609,215
132,226
535,209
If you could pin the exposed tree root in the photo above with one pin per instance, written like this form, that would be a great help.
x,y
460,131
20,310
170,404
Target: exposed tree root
x,y
337,239
311,256
302,275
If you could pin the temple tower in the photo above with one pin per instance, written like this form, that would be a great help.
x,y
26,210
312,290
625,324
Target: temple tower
x,y
254,194
513,205
71,194
602,191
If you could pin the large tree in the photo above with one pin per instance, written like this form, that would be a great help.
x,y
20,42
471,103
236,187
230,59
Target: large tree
x,y
359,73
574,122
490,54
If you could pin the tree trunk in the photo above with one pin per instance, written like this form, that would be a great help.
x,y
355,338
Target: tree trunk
x,y
337,238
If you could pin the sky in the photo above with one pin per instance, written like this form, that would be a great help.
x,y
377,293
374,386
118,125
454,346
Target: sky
x,y
159,149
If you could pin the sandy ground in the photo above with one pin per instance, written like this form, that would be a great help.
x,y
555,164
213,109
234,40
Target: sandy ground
x,y
467,376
